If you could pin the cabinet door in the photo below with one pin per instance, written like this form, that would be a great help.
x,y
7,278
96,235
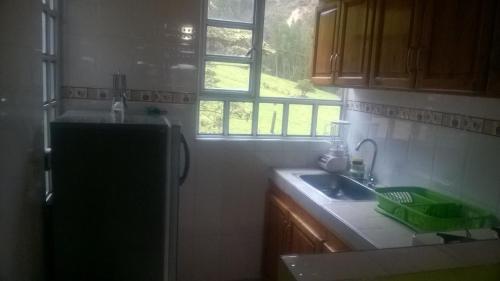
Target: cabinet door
x,y
395,39
493,89
333,246
352,57
276,236
303,240
326,26
454,45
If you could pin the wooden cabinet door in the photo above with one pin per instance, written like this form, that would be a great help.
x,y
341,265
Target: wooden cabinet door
x,y
303,240
276,236
493,89
326,27
395,39
333,246
454,45
352,56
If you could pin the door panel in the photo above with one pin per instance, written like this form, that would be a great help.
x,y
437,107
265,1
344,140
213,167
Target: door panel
x,y
326,27
300,243
394,44
454,46
276,235
303,239
351,60
333,246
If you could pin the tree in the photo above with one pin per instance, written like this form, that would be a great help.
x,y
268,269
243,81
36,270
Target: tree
x,y
305,86
211,79
211,117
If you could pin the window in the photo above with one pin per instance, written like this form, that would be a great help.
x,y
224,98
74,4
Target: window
x,y
256,64
49,65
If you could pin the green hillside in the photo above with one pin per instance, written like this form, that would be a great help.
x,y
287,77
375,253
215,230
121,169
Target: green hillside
x,y
234,76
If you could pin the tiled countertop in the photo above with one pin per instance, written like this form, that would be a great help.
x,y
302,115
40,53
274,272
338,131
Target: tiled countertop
x,y
355,222
381,245
376,264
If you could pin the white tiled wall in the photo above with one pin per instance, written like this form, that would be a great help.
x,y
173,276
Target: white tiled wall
x,y
458,163
138,38
222,202
21,150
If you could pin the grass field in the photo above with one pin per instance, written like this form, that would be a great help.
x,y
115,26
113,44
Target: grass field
x,y
235,76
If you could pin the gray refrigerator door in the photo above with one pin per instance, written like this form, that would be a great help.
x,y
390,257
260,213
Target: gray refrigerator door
x,y
115,201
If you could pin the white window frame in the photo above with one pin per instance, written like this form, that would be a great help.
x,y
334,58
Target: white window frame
x,y
50,80
253,95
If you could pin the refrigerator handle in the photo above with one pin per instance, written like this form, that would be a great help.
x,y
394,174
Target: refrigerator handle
x,y
49,199
187,163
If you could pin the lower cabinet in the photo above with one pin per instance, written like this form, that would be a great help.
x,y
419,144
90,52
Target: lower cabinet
x,y
289,229
302,239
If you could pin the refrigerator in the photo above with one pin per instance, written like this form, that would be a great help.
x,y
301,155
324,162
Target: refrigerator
x,y
113,206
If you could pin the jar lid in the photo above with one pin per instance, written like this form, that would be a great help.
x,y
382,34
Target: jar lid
x,y
357,161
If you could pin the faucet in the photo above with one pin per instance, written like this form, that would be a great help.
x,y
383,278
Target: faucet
x,y
119,103
371,179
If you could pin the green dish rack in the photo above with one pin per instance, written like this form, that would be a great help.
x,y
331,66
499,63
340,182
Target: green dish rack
x,y
428,211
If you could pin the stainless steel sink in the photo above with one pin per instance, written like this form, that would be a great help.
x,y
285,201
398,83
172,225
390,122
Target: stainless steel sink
x,y
340,187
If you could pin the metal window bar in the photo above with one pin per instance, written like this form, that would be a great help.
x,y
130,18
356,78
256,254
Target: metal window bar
x,y
253,95
286,103
230,24
51,74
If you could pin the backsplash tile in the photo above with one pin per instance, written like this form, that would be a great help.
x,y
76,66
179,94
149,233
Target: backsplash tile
x,y
446,143
491,127
446,119
69,92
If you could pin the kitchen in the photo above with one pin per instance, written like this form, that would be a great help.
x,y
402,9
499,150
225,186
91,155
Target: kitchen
x,y
435,127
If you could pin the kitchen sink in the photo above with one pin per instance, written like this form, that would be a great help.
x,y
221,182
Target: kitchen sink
x,y
340,187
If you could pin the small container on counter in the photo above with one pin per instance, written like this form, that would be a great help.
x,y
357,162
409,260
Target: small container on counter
x,y
357,170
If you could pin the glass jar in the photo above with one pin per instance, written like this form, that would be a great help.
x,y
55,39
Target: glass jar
x,y
357,170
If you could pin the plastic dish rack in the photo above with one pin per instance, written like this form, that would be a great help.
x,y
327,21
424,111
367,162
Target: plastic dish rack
x,y
428,211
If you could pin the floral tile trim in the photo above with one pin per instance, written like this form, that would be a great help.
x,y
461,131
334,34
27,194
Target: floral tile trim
x,y
445,119
133,95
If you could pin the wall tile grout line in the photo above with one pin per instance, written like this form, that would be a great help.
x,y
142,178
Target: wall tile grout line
x,y
473,124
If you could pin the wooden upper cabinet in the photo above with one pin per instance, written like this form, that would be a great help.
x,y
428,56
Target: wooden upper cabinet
x,y
454,45
493,89
394,45
352,53
326,27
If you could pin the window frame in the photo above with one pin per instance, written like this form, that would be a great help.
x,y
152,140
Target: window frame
x,y
253,95
50,58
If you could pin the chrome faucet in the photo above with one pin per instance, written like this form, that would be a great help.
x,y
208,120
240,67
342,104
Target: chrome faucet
x,y
119,104
371,179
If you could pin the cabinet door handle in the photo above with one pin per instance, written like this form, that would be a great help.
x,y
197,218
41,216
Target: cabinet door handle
x,y
335,61
408,55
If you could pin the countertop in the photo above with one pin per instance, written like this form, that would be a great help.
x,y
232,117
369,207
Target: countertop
x,y
381,246
355,222
482,257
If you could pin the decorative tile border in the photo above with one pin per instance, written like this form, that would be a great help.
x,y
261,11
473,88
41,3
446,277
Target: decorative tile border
x,y
85,93
451,120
